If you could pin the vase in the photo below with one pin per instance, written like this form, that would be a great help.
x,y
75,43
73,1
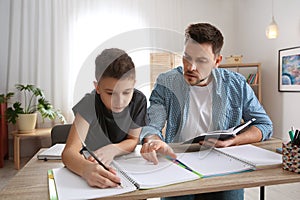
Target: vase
x,y
26,122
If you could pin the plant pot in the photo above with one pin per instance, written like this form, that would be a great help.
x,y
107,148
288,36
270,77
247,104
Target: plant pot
x,y
26,122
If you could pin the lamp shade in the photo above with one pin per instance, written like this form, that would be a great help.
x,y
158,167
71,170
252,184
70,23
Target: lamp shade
x,y
272,30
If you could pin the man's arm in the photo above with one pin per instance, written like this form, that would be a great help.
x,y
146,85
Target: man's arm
x,y
250,135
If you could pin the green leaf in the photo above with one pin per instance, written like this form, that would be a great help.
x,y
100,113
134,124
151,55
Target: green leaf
x,y
12,112
34,100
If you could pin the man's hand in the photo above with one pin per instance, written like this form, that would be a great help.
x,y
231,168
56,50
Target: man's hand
x,y
250,135
212,142
151,147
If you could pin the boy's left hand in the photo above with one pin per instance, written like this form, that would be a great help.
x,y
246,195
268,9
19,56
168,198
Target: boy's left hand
x,y
105,154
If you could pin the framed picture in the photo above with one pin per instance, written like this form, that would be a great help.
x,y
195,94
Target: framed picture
x,y
289,70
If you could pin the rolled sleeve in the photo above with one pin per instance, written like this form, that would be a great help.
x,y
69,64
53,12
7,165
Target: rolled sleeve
x,y
253,109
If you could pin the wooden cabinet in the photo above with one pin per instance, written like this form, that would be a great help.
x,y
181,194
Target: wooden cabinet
x,y
3,135
251,71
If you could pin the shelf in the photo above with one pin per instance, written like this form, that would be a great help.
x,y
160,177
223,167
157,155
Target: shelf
x,y
245,69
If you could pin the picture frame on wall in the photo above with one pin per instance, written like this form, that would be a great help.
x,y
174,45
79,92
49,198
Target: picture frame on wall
x,y
289,69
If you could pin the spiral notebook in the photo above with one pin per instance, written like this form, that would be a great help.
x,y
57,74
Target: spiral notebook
x,y
137,173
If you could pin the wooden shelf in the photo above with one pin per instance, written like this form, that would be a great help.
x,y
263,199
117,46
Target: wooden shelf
x,y
245,69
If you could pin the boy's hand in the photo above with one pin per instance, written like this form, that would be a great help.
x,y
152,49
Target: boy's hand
x,y
149,150
106,154
96,176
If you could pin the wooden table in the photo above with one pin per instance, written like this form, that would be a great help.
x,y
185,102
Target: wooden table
x,y
17,136
31,181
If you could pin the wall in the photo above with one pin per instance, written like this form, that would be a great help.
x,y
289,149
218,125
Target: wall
x,y
253,18
243,24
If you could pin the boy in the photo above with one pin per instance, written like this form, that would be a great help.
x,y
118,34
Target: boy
x,y
108,120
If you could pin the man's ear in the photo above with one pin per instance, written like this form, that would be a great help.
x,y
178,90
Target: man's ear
x,y
218,61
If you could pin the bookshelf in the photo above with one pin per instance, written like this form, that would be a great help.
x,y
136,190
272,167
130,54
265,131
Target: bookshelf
x,y
252,73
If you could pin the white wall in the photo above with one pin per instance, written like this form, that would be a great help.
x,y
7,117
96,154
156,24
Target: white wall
x,y
253,18
169,16
243,24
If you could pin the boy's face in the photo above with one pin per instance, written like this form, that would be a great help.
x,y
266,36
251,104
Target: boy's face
x,y
116,94
198,61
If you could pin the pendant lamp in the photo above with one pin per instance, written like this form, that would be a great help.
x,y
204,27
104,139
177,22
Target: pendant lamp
x,y
272,30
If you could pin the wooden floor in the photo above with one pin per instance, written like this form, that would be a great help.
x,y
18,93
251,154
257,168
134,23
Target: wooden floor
x,y
284,191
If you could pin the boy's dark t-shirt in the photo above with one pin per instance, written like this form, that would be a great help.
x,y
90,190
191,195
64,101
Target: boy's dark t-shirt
x,y
107,127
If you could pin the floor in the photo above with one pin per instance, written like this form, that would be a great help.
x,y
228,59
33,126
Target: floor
x,y
284,191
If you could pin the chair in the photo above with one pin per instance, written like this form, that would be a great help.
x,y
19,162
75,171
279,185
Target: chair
x,y
59,133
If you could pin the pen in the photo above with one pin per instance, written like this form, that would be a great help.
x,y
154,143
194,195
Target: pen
x,y
296,138
181,164
95,157
291,133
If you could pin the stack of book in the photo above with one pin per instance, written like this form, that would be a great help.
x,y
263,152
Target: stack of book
x,y
252,79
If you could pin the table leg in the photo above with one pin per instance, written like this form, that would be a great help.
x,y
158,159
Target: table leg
x,y
17,152
262,192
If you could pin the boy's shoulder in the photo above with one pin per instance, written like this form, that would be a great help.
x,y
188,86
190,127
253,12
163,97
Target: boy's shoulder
x,y
138,95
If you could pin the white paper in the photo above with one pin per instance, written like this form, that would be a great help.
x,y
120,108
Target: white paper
x,y
212,163
148,175
256,155
72,186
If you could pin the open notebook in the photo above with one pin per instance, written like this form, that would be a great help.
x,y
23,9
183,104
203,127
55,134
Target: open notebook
x,y
137,173
220,134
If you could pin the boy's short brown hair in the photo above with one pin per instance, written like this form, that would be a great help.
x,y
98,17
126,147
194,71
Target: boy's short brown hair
x,y
114,63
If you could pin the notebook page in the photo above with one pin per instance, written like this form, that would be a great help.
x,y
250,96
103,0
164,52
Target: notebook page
x,y
253,154
148,175
72,186
212,163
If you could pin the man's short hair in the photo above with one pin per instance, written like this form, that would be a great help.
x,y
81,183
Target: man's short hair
x,y
205,33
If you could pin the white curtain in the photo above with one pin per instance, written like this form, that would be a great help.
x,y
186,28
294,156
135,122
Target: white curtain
x,y
48,42
37,48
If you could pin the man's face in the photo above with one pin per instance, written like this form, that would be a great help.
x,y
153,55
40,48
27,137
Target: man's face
x,y
198,61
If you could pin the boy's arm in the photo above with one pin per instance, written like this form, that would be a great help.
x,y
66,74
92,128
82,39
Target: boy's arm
x,y
74,161
107,153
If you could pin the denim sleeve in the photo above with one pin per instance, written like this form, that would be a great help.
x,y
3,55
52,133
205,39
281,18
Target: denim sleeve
x,y
253,109
156,113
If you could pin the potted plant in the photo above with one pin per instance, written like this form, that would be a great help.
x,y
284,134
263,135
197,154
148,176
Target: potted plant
x,y
33,101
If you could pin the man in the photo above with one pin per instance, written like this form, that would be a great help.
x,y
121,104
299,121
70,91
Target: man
x,y
199,98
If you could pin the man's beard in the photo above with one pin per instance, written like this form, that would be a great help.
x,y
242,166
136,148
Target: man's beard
x,y
198,81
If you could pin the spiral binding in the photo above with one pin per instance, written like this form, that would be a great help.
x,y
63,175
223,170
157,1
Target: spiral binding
x,y
126,176
241,160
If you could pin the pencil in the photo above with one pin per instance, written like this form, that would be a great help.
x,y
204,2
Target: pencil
x,y
95,157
